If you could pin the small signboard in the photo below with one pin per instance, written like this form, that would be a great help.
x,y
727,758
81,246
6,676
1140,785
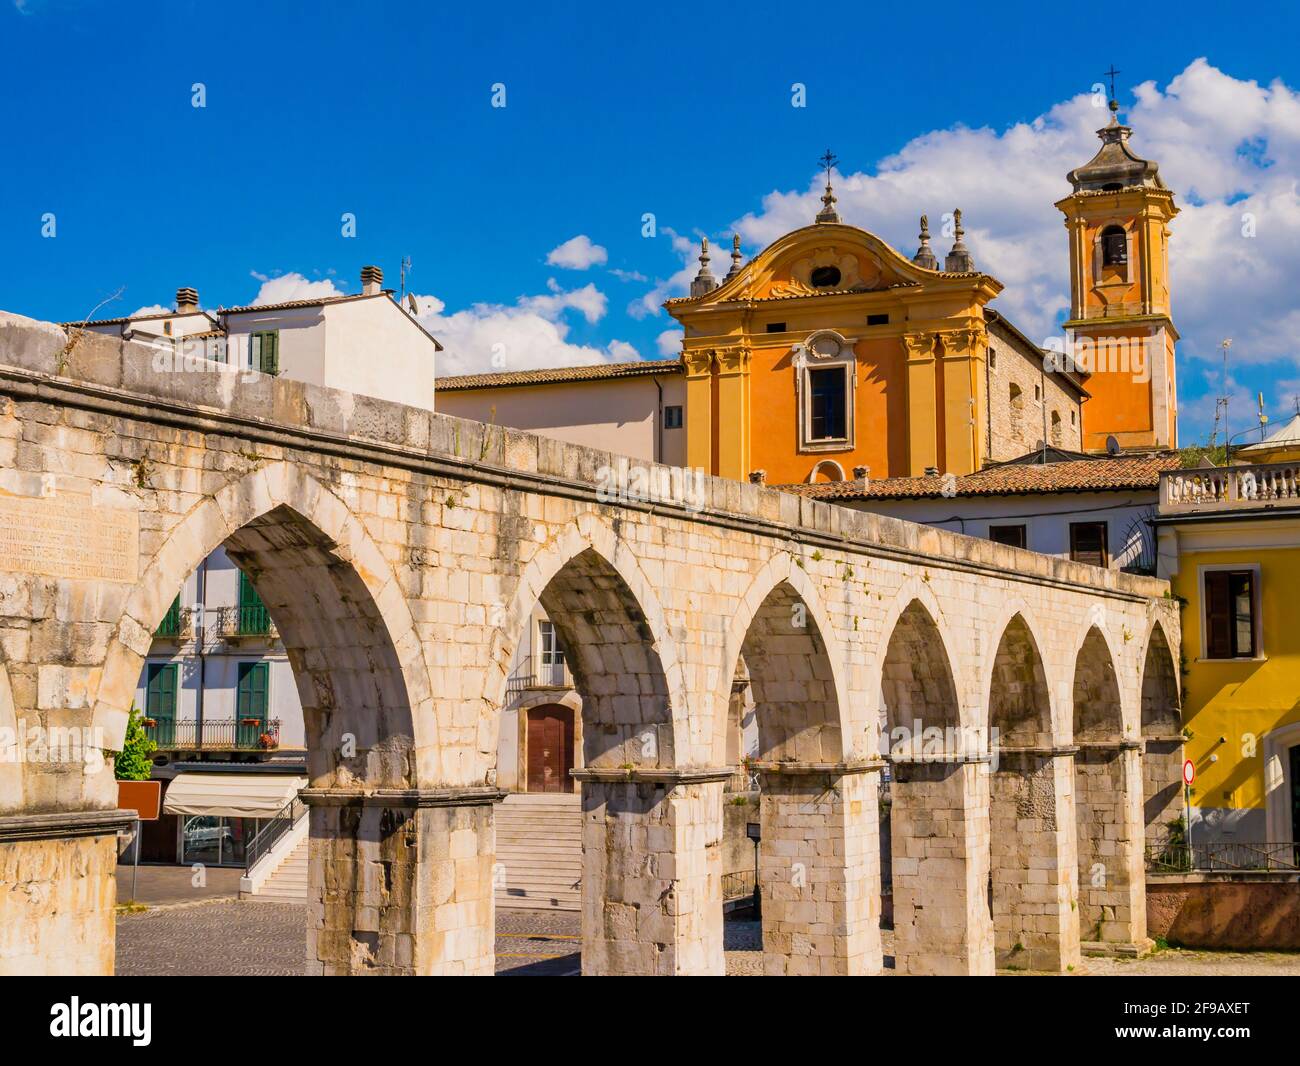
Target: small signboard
x,y
143,797
1189,772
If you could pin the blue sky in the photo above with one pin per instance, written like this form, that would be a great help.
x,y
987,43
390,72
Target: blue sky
x,y
683,111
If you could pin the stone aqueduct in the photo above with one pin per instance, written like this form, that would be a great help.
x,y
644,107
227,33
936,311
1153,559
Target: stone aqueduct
x,y
401,552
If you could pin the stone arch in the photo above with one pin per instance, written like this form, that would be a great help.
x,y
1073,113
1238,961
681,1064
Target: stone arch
x,y
569,699
1161,713
623,661
11,768
1098,712
1020,703
784,635
1161,723
914,651
829,467
342,617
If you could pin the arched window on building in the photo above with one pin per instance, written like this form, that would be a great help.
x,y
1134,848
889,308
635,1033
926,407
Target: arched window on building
x,y
1017,405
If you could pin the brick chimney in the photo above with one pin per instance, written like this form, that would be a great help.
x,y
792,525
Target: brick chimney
x,y
372,280
187,301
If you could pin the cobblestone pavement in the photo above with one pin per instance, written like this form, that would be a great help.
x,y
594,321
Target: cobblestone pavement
x,y
248,939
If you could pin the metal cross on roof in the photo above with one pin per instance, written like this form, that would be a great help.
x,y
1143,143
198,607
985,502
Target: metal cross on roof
x,y
828,161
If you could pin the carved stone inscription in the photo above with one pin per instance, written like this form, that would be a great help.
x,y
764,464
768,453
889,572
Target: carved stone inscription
x,y
67,536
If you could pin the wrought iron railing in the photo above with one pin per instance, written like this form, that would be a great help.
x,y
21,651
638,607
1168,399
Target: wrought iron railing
x,y
246,620
176,624
1222,856
519,683
272,831
221,734
738,885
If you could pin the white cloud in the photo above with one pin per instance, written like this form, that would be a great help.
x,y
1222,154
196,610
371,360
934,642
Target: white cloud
x,y
678,283
669,342
152,309
1228,148
292,286
531,334
577,253
628,275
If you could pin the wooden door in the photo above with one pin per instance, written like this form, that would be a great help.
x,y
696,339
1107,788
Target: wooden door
x,y
550,749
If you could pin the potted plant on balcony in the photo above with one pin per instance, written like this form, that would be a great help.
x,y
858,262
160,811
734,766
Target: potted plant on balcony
x,y
251,720
269,740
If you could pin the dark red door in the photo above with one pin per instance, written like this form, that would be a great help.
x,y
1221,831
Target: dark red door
x,y
550,749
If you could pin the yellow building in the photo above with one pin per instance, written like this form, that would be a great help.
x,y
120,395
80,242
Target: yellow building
x,y
1229,542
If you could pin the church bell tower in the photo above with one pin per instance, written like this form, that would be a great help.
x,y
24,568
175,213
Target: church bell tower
x,y
1120,328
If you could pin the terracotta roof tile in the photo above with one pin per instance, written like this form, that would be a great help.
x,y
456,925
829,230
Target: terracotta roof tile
x,y
558,375
1007,479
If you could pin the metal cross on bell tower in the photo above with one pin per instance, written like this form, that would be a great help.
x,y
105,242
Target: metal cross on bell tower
x,y
1114,102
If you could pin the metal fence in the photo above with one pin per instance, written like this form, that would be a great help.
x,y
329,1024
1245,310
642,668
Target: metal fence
x,y
738,885
1178,856
223,734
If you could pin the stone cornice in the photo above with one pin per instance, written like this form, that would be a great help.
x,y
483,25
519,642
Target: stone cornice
x,y
403,798
652,775
63,824
811,769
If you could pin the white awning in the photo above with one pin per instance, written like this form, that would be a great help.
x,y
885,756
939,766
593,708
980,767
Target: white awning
x,y
231,795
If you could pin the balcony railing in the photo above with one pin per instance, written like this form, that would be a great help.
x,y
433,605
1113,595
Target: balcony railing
x,y
1221,488
548,675
214,734
177,624
1244,856
246,621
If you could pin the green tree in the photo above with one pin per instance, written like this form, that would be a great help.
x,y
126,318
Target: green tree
x,y
132,762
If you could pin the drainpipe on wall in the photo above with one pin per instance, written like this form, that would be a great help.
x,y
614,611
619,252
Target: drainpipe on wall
x,y
200,639
1042,372
659,422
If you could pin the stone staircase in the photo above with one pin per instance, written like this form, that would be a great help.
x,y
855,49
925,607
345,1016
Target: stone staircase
x,y
539,842
288,882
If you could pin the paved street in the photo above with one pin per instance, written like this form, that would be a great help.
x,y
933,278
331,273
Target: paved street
x,y
230,938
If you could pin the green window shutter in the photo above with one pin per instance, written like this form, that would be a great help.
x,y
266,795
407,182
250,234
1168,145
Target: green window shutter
x,y
248,596
252,692
253,615
267,352
160,690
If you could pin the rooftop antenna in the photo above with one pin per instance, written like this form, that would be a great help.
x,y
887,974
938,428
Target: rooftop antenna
x,y
1221,404
406,269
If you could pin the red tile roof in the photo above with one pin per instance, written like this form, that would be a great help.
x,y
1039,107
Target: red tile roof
x,y
1007,479
558,375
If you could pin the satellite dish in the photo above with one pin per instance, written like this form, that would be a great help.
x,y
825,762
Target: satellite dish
x,y
1112,445
410,302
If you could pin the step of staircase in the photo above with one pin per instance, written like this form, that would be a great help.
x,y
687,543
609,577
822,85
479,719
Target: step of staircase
x,y
288,883
539,842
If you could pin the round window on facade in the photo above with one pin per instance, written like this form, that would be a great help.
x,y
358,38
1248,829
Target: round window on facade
x,y
825,277
825,346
